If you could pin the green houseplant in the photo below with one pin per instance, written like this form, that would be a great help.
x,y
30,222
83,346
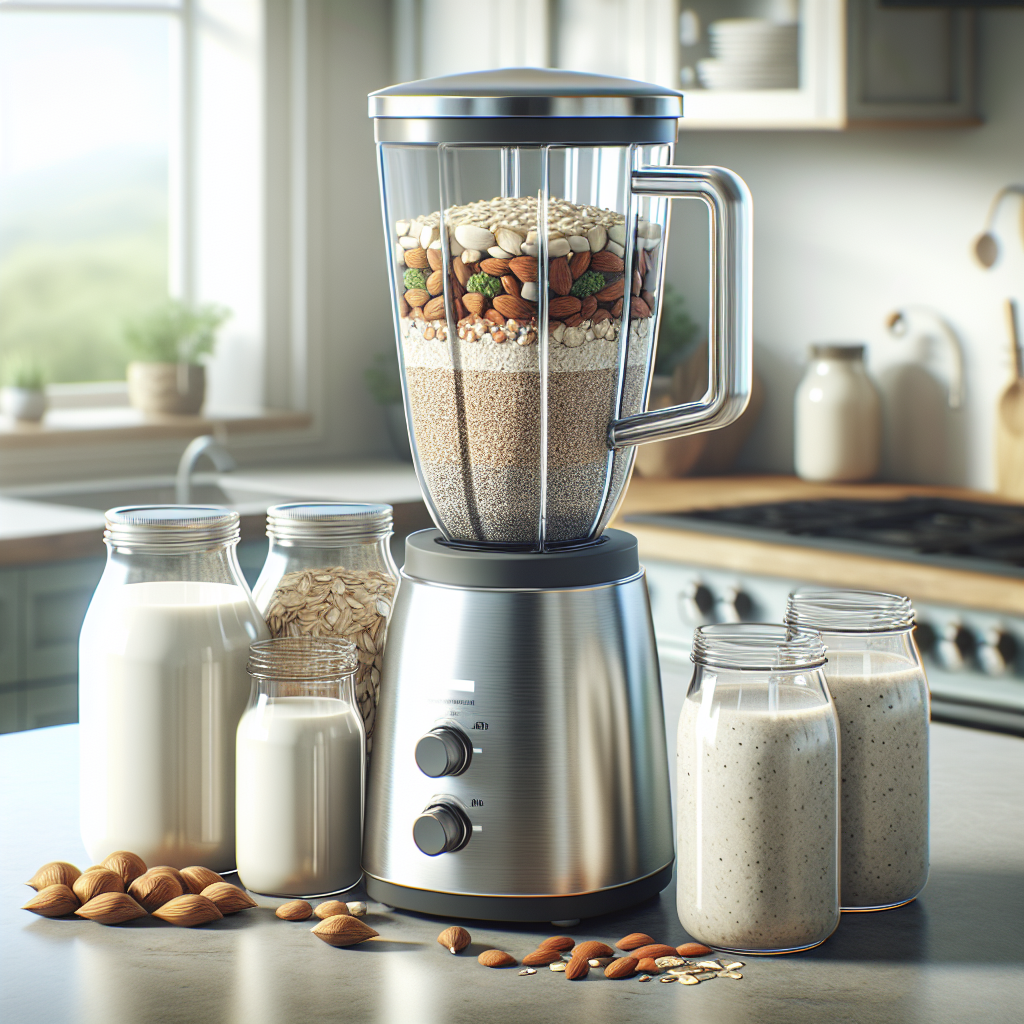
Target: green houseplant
x,y
168,344
23,395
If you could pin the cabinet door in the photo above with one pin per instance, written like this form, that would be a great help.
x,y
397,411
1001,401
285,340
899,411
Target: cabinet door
x,y
56,599
11,607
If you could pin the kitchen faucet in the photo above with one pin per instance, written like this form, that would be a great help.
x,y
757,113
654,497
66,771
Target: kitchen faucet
x,y
208,445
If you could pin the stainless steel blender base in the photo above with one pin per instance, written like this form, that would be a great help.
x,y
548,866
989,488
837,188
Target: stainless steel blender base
x,y
538,715
522,908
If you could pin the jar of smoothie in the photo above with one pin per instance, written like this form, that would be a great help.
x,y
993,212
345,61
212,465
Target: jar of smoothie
x,y
875,676
329,572
301,757
758,792
162,685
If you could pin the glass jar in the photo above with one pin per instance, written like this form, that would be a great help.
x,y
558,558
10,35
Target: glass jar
x,y
878,684
301,757
329,572
162,685
758,792
837,417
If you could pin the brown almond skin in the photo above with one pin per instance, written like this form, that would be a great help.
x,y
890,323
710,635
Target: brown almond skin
x,y
343,930
653,951
690,949
331,908
53,901
590,950
165,869
228,898
634,941
624,967
455,939
92,883
151,892
542,957
559,942
57,872
294,910
111,908
577,969
496,958
648,966
198,878
189,911
126,864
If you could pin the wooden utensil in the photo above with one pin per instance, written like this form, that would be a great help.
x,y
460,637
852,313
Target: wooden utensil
x,y
1010,419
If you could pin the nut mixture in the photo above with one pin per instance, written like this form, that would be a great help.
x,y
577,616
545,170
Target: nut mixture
x,y
354,604
476,400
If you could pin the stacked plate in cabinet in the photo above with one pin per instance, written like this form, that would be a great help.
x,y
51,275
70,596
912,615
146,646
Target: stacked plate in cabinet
x,y
751,53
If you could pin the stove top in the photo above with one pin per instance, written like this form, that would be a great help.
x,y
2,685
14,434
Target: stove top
x,y
966,535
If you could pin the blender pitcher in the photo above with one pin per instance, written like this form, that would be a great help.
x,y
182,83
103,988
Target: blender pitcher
x,y
527,213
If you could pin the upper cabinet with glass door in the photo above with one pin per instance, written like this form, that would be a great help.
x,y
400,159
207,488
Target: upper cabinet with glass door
x,y
780,64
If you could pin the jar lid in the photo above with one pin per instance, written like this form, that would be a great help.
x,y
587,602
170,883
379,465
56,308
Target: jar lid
x,y
849,611
308,658
753,645
851,350
322,522
526,105
170,526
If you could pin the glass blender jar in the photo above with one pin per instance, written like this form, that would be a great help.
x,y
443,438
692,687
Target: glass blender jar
x,y
526,214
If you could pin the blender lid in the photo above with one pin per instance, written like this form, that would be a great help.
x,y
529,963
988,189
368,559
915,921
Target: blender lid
x,y
517,105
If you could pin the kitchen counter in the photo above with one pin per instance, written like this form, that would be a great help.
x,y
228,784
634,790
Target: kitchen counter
x,y
954,954
809,564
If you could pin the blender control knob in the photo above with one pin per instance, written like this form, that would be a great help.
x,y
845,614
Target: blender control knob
x,y
443,751
442,828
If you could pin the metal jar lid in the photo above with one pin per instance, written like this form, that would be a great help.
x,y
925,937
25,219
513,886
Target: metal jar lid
x,y
849,350
517,106
322,522
170,527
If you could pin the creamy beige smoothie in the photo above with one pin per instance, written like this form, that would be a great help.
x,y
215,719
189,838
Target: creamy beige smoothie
x,y
757,818
882,703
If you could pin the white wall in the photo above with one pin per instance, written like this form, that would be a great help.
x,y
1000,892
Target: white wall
x,y
849,226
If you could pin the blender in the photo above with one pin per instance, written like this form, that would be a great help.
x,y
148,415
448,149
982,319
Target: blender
x,y
519,769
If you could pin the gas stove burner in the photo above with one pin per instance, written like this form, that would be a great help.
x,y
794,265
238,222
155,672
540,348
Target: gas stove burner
x,y
976,535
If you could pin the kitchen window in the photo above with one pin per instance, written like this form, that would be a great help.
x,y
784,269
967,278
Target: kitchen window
x,y
132,166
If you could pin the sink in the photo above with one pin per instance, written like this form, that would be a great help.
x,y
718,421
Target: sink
x,y
111,494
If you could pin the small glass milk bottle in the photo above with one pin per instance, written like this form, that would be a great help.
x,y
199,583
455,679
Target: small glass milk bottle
x,y
329,572
300,760
758,792
878,684
162,685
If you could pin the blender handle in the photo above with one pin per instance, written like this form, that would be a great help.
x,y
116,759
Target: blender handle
x,y
729,204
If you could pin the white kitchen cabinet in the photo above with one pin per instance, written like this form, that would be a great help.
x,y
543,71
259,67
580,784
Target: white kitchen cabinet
x,y
859,64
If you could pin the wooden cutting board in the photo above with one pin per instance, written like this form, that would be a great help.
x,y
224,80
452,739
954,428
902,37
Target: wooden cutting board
x,y
1010,420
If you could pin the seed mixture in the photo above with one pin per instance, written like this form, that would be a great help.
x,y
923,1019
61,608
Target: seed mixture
x,y
354,604
473,363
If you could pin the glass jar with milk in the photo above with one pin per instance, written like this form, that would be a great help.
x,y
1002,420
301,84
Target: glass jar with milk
x,y
329,572
301,757
758,792
162,686
877,682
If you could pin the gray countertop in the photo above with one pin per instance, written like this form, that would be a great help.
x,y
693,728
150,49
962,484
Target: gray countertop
x,y
954,954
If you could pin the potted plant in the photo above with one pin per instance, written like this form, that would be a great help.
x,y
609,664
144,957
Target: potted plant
x,y
166,374
384,380
23,395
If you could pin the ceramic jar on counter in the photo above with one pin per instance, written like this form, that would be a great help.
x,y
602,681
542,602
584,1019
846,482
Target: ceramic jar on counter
x,y
329,573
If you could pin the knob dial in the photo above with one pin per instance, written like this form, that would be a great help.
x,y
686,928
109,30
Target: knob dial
x,y
696,602
997,652
955,646
443,751
736,605
442,828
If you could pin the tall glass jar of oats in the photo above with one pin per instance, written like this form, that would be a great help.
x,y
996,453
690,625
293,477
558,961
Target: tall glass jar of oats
x,y
329,573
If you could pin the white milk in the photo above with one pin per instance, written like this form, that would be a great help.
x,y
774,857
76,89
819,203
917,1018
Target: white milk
x,y
162,685
299,807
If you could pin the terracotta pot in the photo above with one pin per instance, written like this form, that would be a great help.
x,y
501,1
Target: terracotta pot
x,y
26,404
167,387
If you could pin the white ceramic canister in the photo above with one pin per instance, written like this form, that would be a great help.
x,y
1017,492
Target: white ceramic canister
x,y
162,686
837,417
301,758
